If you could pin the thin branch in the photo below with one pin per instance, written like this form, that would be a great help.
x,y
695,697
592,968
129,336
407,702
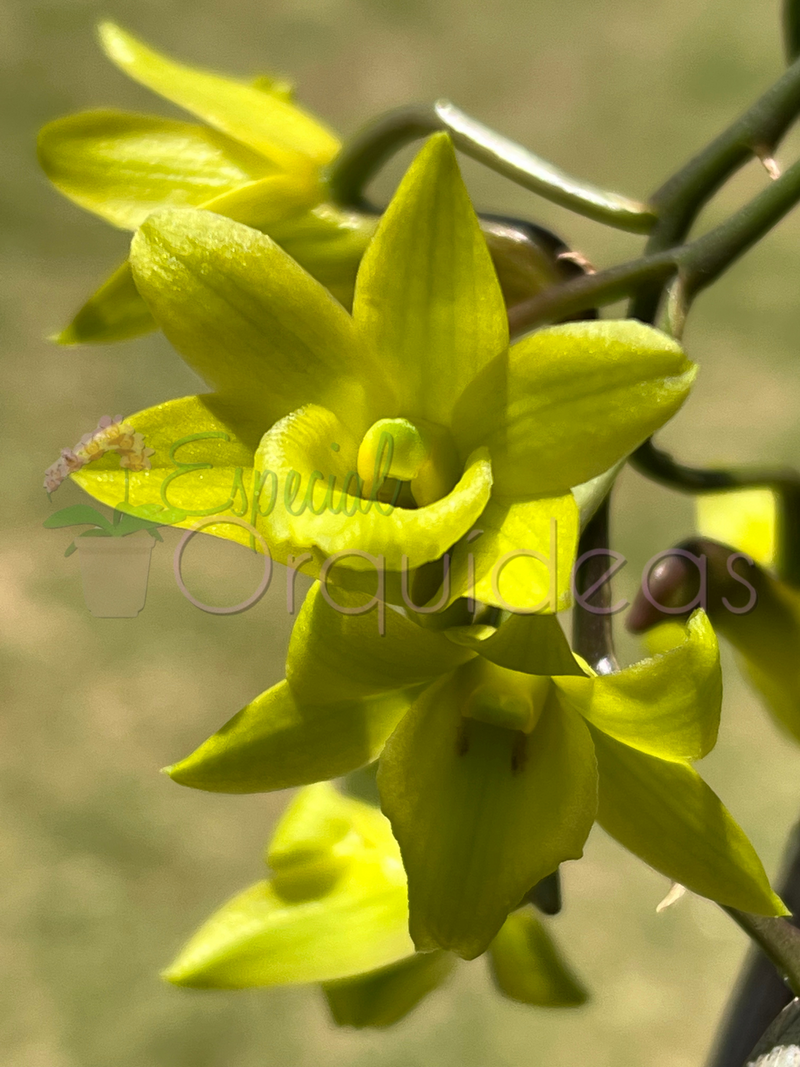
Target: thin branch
x,y
760,993
532,172
369,150
557,302
783,481
592,631
778,939
702,261
680,199
697,264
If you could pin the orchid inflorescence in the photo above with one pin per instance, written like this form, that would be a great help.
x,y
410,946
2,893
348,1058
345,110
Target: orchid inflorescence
x,y
375,423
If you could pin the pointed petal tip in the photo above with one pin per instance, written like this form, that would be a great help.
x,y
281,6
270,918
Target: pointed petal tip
x,y
65,338
114,41
177,975
438,152
781,911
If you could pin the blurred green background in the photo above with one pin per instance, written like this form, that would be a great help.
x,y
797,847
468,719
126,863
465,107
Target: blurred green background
x,y
108,866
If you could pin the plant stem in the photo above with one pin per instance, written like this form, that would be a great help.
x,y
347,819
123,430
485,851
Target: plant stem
x,y
366,153
592,631
702,261
697,264
760,993
791,29
778,939
681,198
557,302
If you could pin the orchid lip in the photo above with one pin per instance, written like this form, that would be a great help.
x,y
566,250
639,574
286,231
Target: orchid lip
x,y
419,453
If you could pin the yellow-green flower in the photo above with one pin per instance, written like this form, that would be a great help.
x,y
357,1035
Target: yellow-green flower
x,y
258,158
393,433
334,912
498,749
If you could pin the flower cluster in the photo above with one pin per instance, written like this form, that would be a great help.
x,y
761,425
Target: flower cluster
x,y
397,426
110,435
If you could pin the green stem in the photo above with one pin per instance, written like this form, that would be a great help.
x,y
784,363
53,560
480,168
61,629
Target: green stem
x,y
678,202
592,626
777,939
702,261
760,993
791,29
360,159
558,302
698,263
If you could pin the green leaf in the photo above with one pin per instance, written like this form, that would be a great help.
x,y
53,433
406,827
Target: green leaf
x,y
571,401
665,813
319,514
248,319
116,312
535,644
334,655
482,813
352,922
123,166
528,966
76,516
427,294
523,559
277,741
267,122
129,524
668,706
385,997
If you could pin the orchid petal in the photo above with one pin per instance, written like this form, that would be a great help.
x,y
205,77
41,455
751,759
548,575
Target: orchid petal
x,y
384,997
571,401
482,813
533,644
668,706
123,166
265,121
246,317
337,655
297,929
528,966
278,741
664,812
523,557
427,294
